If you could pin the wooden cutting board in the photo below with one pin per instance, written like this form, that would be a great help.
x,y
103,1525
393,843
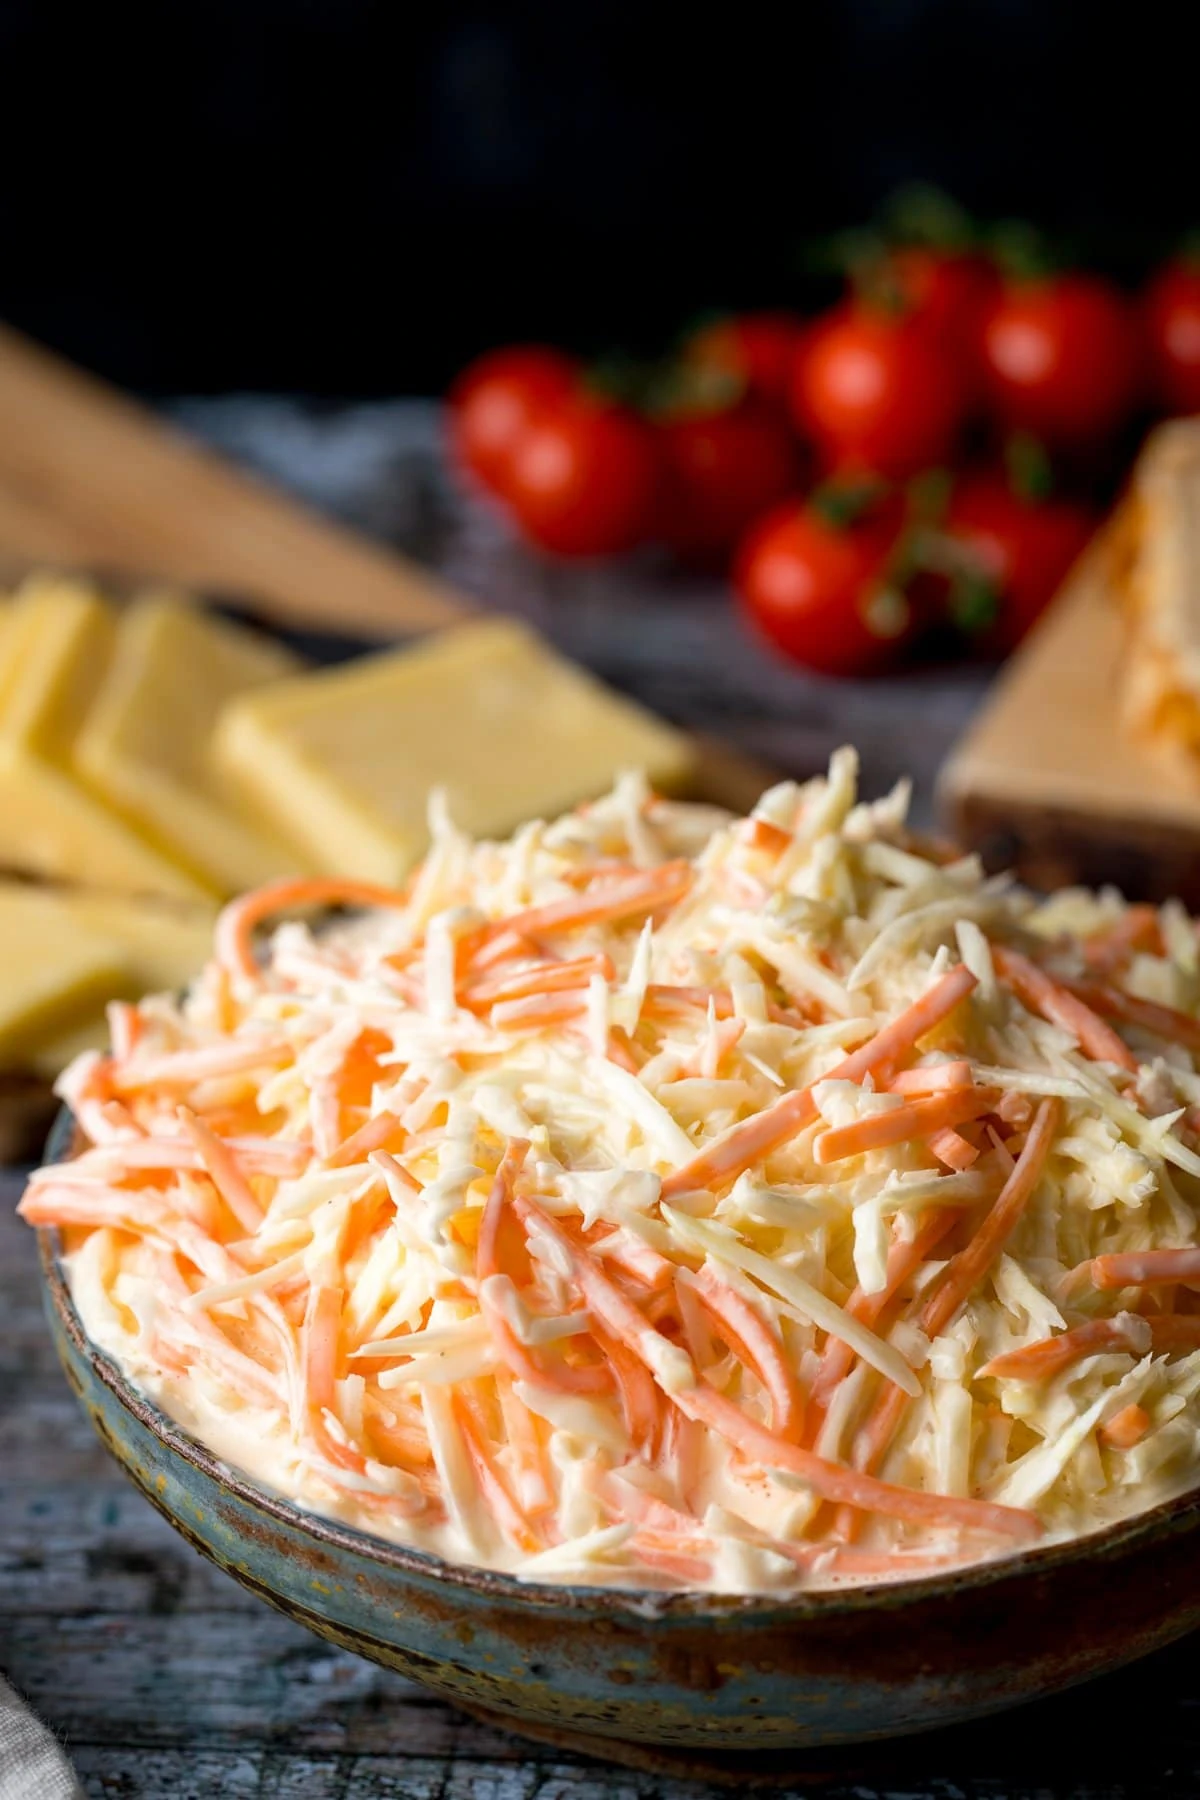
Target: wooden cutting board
x,y
89,479
1048,782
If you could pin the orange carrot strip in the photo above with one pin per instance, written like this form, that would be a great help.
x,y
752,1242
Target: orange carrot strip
x,y
1050,1356
936,1079
1059,1006
236,924
1126,1428
762,834
541,978
1161,1021
640,1402
703,1402
743,1331
183,1068
722,1162
530,1464
523,1364
70,1203
952,1149
904,1259
492,1485
319,1340
899,1124
1144,1268
851,1486
628,1253
959,1280
1112,947
223,1171
642,893
376,1134
965,1271
536,1009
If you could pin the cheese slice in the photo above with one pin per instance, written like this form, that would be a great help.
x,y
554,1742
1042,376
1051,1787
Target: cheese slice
x,y
54,648
145,745
344,759
161,948
50,826
54,970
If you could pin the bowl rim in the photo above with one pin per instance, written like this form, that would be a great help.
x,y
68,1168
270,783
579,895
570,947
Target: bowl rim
x,y
1162,1520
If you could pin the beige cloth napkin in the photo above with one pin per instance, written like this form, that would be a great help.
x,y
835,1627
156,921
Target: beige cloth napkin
x,y
32,1764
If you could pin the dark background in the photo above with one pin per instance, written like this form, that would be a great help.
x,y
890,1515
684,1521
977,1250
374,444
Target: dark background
x,y
353,196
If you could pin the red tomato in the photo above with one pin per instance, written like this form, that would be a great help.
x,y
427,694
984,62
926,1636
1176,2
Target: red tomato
x,y
947,290
878,392
1171,316
1018,553
583,479
820,591
722,469
494,400
1061,359
758,349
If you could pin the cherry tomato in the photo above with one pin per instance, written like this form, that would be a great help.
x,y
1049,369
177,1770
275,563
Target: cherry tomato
x,y
1061,359
821,591
949,292
583,479
1171,317
494,400
878,392
757,349
1018,553
723,468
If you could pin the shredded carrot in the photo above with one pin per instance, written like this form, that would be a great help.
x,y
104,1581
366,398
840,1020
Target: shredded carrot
x,y
899,1124
742,1329
1137,929
1056,1003
642,893
221,1164
237,923
953,1150
376,1134
721,1163
1144,1268
1049,1356
934,1078
540,978
1126,1428
1160,1021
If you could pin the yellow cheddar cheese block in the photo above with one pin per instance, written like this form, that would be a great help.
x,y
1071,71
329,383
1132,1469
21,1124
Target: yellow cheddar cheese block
x,y
54,970
345,759
145,744
50,826
54,650
161,949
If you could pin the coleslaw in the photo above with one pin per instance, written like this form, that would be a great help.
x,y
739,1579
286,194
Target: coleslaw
x,y
666,1200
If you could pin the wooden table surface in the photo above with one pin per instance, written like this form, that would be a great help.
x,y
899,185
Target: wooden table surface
x,y
165,1679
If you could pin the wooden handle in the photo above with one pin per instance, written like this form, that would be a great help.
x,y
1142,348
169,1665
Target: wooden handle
x,y
87,476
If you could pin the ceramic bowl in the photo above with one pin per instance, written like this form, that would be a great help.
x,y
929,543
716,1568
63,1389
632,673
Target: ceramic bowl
x,y
704,1679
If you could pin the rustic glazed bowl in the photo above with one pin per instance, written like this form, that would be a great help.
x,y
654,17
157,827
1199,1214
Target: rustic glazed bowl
x,y
699,1676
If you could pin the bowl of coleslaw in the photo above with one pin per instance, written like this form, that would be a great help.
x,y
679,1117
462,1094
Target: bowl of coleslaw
x,y
664,1280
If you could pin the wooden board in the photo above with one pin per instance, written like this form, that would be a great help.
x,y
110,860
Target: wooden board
x,y
90,479
1047,782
